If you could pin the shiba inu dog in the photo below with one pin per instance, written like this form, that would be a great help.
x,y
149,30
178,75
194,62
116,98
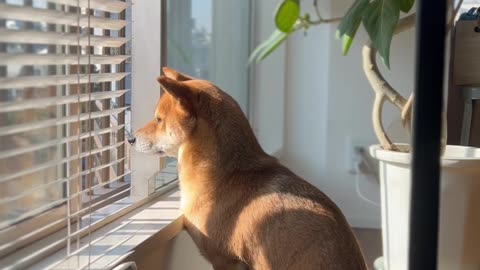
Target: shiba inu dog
x,y
243,209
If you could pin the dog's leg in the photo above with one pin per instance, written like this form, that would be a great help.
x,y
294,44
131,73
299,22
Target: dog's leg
x,y
219,260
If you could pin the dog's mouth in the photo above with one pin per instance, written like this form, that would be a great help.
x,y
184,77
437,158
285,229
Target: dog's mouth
x,y
160,152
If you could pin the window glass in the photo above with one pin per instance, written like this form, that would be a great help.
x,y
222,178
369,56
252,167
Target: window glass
x,y
209,39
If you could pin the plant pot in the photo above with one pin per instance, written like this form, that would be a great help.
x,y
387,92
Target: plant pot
x,y
459,233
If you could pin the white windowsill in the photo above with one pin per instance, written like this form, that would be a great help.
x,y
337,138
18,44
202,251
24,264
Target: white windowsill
x,y
116,240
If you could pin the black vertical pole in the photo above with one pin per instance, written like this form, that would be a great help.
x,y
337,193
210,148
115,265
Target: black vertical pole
x,y
424,209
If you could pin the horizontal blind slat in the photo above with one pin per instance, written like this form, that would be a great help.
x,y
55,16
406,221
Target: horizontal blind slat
x,y
102,129
6,200
54,38
60,181
43,81
22,13
113,6
7,177
109,181
86,210
38,146
11,106
59,59
47,249
14,236
36,211
7,245
13,129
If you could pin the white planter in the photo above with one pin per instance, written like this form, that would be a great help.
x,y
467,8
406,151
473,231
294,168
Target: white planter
x,y
459,242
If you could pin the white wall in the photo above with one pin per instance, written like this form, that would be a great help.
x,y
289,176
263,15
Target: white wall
x,y
267,98
328,101
183,244
145,68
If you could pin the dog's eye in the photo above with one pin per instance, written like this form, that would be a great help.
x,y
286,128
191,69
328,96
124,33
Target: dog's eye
x,y
159,120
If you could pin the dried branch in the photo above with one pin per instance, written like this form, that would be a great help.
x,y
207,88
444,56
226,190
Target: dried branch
x,y
454,15
406,114
315,5
383,90
321,20
324,21
377,123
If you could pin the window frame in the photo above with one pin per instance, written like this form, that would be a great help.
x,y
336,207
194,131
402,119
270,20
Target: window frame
x,y
151,60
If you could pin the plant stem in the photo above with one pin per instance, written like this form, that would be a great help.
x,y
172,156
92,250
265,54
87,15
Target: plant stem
x,y
315,5
454,15
406,114
322,21
383,90
377,123
320,18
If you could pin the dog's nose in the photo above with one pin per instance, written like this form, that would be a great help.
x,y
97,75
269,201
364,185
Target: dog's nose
x,y
131,140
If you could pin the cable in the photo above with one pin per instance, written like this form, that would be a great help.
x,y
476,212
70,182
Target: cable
x,y
359,172
363,197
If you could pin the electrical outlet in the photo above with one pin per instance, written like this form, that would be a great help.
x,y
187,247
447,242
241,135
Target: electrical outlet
x,y
353,155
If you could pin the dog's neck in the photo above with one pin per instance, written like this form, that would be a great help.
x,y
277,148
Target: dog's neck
x,y
211,155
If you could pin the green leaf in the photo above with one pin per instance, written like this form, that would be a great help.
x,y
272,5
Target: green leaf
x,y
406,5
286,15
274,45
268,46
352,17
254,55
349,25
347,40
260,48
380,19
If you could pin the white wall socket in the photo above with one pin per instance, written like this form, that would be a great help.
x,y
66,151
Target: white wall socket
x,y
352,156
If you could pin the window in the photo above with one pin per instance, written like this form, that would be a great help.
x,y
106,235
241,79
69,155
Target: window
x,y
64,88
210,39
66,93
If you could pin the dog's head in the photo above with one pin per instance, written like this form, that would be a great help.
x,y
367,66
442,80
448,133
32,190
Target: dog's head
x,y
174,117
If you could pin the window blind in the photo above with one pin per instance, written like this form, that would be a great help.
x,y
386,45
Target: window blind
x,y
64,79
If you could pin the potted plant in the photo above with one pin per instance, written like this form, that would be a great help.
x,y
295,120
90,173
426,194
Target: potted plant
x,y
459,245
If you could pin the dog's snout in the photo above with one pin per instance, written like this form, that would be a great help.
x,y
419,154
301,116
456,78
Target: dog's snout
x,y
131,140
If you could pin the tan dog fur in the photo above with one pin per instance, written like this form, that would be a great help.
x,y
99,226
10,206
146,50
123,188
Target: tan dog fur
x,y
243,209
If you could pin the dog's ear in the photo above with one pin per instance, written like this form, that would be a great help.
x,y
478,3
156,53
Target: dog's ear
x,y
173,74
180,91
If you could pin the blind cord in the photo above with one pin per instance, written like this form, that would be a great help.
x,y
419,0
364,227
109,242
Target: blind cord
x,y
89,51
79,128
69,204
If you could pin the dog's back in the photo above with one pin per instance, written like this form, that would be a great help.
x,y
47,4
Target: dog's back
x,y
269,218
